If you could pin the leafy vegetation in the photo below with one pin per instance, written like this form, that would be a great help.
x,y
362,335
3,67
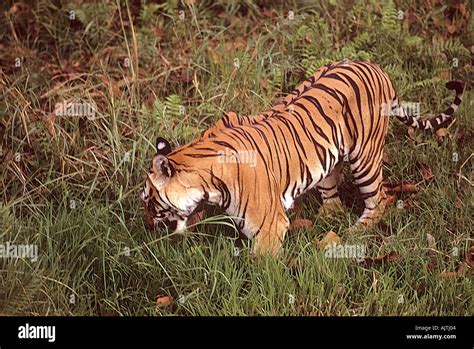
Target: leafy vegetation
x,y
70,183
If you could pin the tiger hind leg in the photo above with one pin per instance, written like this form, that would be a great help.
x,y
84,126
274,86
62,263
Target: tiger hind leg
x,y
328,188
367,174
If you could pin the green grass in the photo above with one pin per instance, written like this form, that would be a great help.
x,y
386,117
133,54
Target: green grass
x,y
95,255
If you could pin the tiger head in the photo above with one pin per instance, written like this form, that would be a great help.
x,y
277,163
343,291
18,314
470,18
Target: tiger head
x,y
170,196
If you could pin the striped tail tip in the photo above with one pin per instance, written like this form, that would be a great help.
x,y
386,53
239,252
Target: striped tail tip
x,y
455,85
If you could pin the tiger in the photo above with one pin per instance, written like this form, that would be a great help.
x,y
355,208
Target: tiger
x,y
340,113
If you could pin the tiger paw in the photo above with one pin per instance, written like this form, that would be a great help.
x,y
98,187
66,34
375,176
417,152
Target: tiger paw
x,y
331,207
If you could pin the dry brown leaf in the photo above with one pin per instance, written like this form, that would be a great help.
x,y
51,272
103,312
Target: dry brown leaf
x,y
392,256
411,133
404,187
443,74
19,9
432,264
111,85
214,56
49,122
408,203
237,44
301,224
462,270
164,300
448,275
462,9
458,202
330,238
159,32
426,171
390,199
441,133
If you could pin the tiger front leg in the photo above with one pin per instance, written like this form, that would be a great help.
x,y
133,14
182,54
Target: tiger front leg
x,y
268,239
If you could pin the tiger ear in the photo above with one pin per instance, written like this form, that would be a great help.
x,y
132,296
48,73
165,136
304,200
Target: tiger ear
x,y
162,167
163,147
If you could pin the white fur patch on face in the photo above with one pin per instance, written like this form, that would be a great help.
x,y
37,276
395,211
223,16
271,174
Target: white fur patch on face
x,y
181,226
186,203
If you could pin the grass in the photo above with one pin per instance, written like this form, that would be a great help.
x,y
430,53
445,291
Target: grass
x,y
70,184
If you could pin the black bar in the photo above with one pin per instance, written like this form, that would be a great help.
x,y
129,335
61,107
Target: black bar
x,y
366,332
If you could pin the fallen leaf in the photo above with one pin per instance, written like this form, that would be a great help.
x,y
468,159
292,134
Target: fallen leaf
x,y
443,74
441,133
159,32
421,288
426,171
462,269
184,75
450,27
301,224
237,44
164,300
111,85
392,256
214,56
19,9
431,241
408,203
458,202
462,9
432,264
404,187
411,133
390,199
448,275
330,238
49,122
269,13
